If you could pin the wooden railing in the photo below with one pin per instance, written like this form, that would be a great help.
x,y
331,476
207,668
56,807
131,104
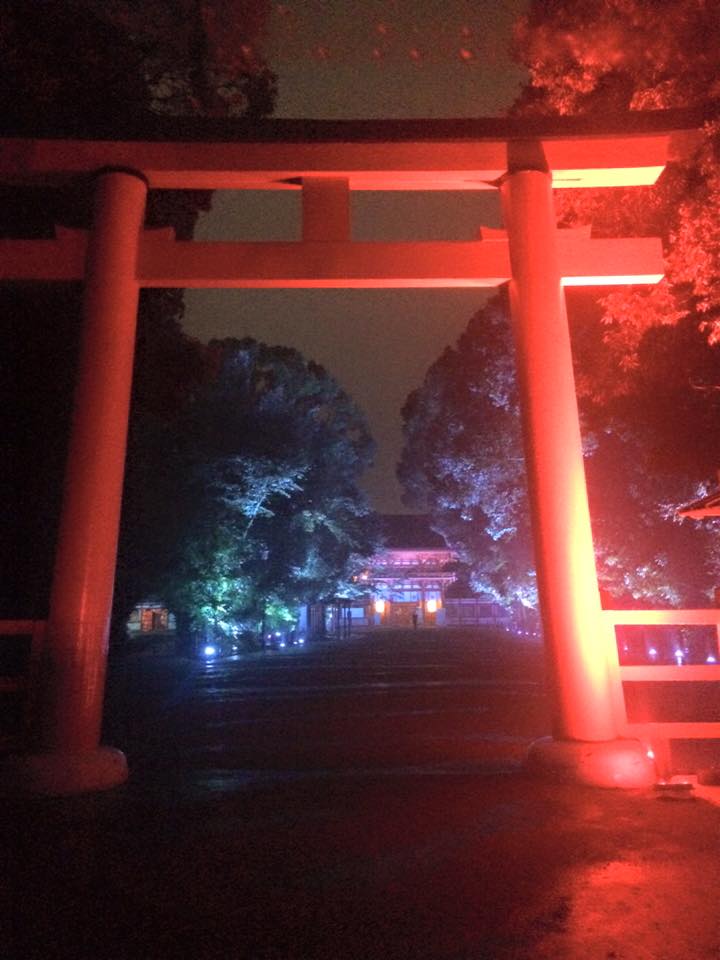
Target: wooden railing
x,y
661,730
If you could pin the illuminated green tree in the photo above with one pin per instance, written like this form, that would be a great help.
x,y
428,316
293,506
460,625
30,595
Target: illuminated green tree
x,y
272,514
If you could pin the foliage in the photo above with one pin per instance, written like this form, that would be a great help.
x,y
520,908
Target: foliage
x,y
600,57
463,459
272,515
120,66
169,370
647,450
587,56
200,57
652,448
122,60
647,365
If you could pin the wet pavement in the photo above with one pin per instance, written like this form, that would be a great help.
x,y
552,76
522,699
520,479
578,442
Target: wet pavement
x,y
353,799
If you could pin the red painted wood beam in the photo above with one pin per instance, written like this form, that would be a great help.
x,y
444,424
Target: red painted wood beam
x,y
481,263
687,673
72,688
691,730
452,164
688,617
50,260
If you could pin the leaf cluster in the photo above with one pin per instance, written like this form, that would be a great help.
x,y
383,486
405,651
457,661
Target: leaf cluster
x,y
123,60
605,57
462,459
270,450
647,365
647,450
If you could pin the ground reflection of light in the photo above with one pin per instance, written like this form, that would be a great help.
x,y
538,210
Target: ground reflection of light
x,y
629,906
618,871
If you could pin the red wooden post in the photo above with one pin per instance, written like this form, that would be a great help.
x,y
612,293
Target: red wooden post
x,y
585,747
325,209
73,682
565,562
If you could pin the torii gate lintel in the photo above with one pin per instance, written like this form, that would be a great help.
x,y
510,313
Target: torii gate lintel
x,y
163,261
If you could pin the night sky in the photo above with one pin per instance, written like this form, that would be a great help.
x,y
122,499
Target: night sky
x,y
344,59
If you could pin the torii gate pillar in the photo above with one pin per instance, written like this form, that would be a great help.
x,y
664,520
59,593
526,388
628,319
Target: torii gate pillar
x,y
585,745
69,757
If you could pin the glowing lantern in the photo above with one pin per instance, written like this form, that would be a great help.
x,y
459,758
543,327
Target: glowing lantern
x,y
380,606
431,606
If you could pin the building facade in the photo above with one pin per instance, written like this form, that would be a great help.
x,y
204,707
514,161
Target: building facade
x,y
408,580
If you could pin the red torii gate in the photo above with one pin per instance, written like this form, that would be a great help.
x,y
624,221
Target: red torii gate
x,y
326,161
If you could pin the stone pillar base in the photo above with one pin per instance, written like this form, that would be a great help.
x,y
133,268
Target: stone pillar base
x,y
625,764
62,774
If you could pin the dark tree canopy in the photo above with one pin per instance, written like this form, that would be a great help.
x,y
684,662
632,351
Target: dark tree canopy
x,y
647,364
100,68
599,57
646,451
617,55
92,67
463,459
263,487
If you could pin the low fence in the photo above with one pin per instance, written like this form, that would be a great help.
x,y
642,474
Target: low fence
x,y
659,730
469,610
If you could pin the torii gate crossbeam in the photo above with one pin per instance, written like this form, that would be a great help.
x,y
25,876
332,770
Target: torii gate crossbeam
x,y
117,258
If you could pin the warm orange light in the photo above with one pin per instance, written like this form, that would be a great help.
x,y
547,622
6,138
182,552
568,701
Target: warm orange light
x,y
379,606
610,280
431,606
593,177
